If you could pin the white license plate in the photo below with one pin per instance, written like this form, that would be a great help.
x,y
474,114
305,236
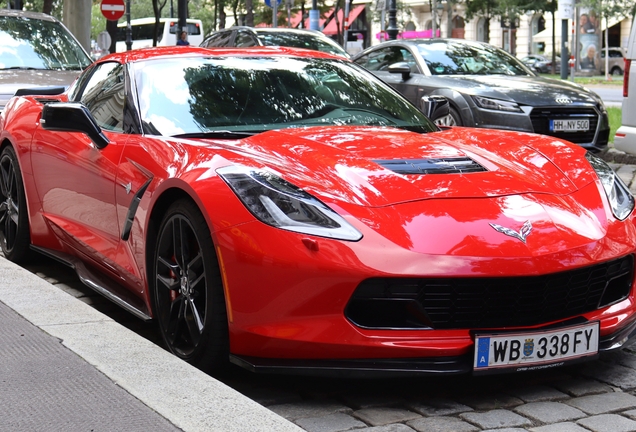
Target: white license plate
x,y
569,125
535,349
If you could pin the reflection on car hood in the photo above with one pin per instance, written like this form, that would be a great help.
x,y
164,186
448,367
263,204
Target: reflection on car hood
x,y
349,163
13,79
525,90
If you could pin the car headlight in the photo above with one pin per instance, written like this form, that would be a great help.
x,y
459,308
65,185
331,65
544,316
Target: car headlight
x,y
496,104
620,198
279,203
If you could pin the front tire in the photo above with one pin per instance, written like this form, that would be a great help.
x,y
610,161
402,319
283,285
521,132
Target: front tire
x,y
15,237
452,119
187,289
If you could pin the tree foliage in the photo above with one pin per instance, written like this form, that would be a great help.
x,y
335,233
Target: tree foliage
x,y
506,8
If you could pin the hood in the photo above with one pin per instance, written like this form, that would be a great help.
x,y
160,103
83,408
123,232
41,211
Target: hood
x,y
384,166
14,79
525,90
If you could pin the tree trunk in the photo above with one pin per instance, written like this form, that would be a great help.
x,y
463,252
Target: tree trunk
x,y
249,15
47,8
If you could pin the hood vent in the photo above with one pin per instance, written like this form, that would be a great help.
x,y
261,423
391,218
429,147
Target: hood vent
x,y
460,165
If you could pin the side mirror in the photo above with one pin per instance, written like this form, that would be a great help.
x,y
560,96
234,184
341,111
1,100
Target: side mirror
x,y
44,91
401,68
435,106
72,117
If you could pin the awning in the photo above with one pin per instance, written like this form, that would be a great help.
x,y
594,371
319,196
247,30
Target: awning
x,y
332,29
545,35
612,22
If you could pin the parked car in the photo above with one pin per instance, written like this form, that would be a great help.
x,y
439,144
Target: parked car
x,y
616,61
542,64
488,87
545,66
625,138
142,29
242,36
285,210
52,59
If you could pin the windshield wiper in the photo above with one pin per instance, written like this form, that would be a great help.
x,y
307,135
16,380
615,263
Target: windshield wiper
x,y
216,134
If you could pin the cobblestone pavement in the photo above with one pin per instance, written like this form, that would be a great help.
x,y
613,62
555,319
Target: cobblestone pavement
x,y
598,396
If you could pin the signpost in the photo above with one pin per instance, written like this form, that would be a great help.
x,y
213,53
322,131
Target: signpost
x,y
274,6
113,9
565,12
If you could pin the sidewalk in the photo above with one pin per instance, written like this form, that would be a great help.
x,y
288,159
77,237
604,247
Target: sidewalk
x,y
67,367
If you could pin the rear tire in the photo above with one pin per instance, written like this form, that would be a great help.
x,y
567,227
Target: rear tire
x,y
616,71
187,289
15,237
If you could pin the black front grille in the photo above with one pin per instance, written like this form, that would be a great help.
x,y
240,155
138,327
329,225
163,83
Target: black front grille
x,y
473,303
541,122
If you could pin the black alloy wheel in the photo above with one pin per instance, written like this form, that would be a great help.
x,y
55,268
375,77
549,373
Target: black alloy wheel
x,y
14,222
187,289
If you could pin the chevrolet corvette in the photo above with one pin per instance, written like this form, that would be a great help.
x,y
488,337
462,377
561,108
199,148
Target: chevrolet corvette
x,y
285,211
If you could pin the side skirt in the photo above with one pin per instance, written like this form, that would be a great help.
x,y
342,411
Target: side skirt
x,y
99,283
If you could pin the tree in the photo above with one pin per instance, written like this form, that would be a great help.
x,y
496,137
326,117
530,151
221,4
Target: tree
x,y
512,9
157,7
403,14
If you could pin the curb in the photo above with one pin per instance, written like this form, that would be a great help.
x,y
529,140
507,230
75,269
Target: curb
x,y
190,399
616,156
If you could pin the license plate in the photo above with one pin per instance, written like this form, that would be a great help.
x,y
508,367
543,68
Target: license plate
x,y
498,352
569,125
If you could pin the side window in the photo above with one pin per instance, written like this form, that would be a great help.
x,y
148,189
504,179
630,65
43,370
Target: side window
x,y
381,59
244,39
220,39
104,95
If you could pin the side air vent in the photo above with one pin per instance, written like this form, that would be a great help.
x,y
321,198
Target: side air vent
x,y
432,166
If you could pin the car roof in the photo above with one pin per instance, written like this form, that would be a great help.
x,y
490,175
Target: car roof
x,y
32,15
271,30
194,51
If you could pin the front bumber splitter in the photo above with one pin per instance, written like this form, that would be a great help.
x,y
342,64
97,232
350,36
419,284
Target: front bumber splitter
x,y
405,367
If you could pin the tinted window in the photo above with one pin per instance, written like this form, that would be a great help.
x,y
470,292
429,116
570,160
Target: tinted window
x,y
381,59
27,43
317,41
244,39
103,95
140,32
193,28
220,39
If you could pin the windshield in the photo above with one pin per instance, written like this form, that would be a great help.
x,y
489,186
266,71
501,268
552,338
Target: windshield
x,y
29,43
301,40
255,94
460,58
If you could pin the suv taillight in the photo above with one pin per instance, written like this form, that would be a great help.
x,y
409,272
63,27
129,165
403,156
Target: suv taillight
x,y
628,63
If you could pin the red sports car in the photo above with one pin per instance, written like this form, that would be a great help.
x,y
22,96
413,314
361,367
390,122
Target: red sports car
x,y
286,211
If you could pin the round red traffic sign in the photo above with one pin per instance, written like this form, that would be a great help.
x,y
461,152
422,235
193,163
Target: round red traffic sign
x,y
113,9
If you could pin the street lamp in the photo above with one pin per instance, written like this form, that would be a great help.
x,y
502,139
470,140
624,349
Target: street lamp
x,y
392,29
